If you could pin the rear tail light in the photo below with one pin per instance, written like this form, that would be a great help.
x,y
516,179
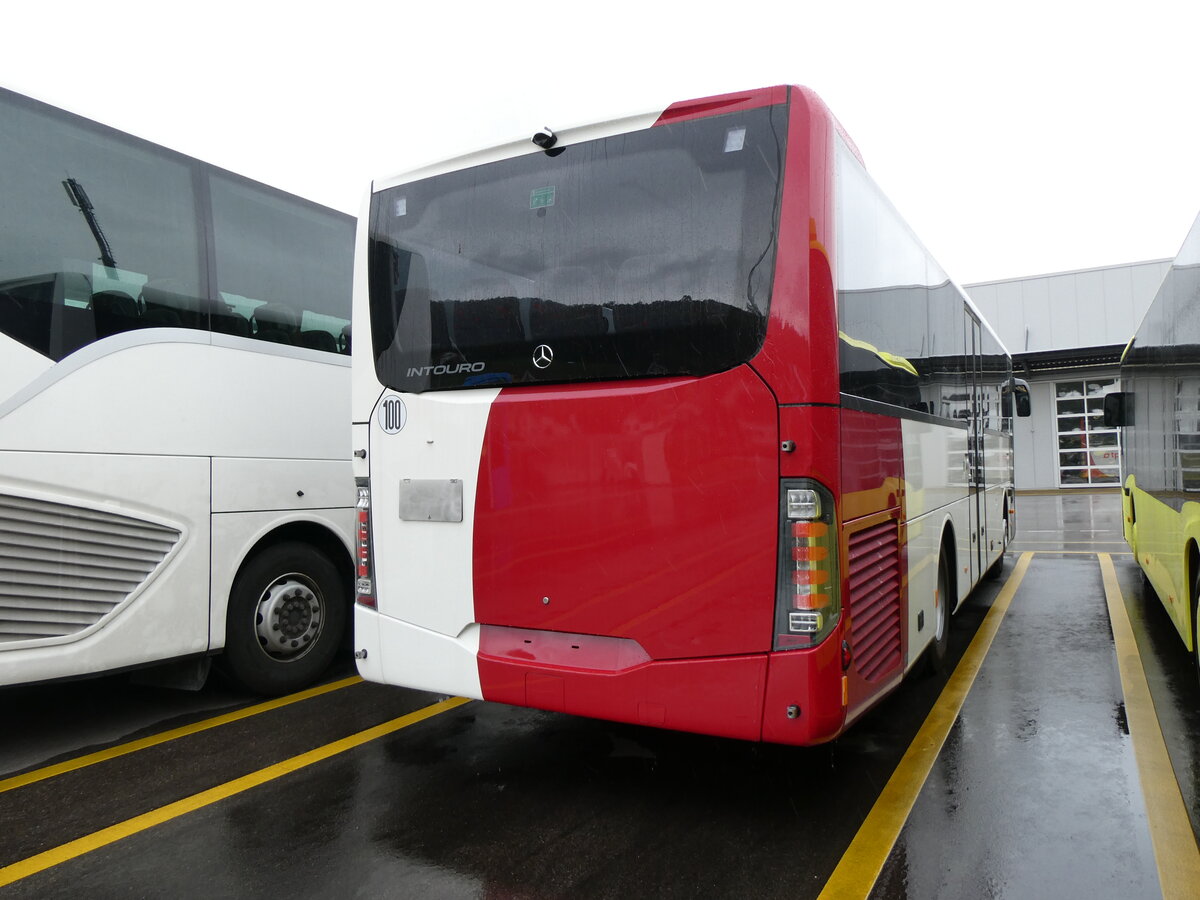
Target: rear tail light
x,y
807,604
364,583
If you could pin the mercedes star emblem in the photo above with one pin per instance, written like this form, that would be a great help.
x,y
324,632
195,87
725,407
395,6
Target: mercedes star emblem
x,y
543,356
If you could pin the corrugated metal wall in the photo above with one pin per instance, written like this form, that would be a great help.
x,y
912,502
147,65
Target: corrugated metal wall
x,y
1069,310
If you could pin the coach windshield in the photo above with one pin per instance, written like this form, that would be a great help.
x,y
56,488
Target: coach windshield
x,y
645,254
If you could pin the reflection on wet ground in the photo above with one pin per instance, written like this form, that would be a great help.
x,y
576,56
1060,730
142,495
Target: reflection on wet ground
x,y
1070,522
1034,793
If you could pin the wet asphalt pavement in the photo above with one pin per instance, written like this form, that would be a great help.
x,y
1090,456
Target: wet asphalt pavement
x,y
1035,792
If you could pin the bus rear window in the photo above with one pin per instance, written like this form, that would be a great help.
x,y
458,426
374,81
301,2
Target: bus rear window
x,y
645,254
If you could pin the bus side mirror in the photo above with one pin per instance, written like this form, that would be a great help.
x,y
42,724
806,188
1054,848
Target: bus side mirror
x,y
1020,391
1118,409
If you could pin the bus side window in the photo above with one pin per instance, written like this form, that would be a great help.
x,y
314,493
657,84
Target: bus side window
x,y
275,322
114,312
318,340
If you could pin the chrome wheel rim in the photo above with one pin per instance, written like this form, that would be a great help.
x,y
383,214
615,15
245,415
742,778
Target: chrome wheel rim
x,y
289,617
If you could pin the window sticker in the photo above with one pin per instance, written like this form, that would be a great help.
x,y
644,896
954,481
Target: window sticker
x,y
400,208
735,140
540,198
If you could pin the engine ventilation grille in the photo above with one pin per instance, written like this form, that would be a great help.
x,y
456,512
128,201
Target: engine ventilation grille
x,y
64,568
874,599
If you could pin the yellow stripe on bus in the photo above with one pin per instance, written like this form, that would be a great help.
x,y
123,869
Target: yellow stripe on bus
x,y
81,762
1175,849
863,860
73,849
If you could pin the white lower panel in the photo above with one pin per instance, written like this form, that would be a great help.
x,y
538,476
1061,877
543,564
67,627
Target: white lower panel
x,y
424,571
415,657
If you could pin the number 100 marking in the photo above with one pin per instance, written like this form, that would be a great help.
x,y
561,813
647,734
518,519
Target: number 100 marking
x,y
392,415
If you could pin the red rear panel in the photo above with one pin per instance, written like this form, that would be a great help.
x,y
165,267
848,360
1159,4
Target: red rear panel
x,y
633,511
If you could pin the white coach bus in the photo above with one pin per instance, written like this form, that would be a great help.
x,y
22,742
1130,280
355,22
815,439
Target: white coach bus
x,y
174,405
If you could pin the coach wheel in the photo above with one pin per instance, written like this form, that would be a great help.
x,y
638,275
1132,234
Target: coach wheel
x,y
1196,620
997,567
942,601
287,612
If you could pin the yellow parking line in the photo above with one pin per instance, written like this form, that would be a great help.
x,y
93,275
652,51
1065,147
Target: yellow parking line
x,y
154,740
863,860
1046,552
1115,543
121,830
1175,850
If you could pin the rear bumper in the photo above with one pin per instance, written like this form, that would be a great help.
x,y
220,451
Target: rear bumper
x,y
720,696
746,697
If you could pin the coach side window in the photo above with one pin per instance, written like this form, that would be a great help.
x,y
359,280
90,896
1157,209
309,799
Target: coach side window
x,y
94,224
283,267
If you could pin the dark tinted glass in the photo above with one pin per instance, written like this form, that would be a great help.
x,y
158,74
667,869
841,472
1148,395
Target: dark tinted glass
x,y
645,254
902,322
98,234
1162,371
283,268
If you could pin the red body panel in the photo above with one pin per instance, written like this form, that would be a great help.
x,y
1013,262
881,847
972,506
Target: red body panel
x,y
814,430
723,103
872,480
644,510
810,680
711,696
872,464
799,358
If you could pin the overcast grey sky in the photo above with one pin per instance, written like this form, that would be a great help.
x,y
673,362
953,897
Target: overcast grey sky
x,y
1017,138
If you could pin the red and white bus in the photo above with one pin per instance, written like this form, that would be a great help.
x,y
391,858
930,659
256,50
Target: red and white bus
x,y
668,420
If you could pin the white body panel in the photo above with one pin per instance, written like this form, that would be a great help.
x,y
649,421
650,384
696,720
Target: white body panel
x,y
415,657
172,391
426,616
20,365
241,485
936,499
172,426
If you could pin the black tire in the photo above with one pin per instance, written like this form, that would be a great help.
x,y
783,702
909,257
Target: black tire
x,y
286,617
997,567
1196,620
935,656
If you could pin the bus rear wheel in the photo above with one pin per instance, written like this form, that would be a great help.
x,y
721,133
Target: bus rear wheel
x,y
1196,621
286,616
997,567
935,656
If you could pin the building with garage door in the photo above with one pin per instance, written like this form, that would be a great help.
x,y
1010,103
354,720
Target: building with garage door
x,y
1066,333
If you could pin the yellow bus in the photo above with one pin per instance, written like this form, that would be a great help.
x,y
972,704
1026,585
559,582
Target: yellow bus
x,y
1158,409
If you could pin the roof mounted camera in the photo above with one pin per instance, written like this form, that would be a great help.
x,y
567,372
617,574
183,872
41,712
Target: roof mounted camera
x,y
545,138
